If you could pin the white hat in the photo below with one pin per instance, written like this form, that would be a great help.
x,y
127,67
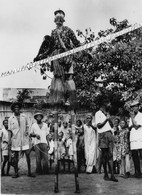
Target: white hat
x,y
38,113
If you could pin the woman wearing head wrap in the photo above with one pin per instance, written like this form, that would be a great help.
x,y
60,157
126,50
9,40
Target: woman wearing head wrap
x,y
90,144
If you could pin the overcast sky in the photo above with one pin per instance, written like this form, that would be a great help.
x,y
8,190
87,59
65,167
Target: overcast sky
x,y
24,23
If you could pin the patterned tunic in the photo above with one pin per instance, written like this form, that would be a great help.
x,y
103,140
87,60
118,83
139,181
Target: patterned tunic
x,y
68,37
62,88
122,143
64,40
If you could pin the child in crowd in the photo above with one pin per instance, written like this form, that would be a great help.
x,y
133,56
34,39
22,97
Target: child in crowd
x,y
123,149
61,149
51,127
60,127
80,145
51,149
4,136
69,148
116,128
78,125
69,123
65,130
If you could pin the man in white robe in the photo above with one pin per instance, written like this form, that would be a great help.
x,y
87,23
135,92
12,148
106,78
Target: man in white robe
x,y
18,127
135,125
90,142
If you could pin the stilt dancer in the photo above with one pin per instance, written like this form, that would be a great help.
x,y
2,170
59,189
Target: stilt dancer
x,y
62,91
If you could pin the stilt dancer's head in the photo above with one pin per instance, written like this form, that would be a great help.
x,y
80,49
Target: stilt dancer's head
x,y
59,17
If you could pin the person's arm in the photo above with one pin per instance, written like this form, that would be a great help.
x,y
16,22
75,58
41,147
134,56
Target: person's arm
x,y
54,40
100,125
48,146
130,125
93,127
9,134
27,127
32,133
47,136
45,48
9,139
47,130
1,134
73,38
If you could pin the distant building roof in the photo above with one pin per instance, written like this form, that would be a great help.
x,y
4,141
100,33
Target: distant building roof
x,y
10,94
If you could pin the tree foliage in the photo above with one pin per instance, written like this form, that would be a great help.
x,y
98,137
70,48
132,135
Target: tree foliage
x,y
23,95
114,70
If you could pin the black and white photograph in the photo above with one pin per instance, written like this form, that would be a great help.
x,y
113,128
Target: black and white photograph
x,y
71,97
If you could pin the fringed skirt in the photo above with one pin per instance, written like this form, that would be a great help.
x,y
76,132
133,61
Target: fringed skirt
x,y
61,89
61,92
57,92
70,91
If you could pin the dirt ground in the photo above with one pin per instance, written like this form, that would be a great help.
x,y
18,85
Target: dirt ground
x,y
89,184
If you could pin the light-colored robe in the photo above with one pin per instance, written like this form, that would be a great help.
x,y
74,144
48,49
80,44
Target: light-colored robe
x,y
136,135
90,141
20,141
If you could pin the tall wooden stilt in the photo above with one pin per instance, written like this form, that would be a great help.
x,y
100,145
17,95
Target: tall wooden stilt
x,y
56,190
77,190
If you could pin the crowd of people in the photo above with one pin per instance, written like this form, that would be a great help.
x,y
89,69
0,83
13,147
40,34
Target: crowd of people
x,y
99,141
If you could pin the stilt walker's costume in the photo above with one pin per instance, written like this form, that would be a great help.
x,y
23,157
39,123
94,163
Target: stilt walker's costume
x,y
63,90
62,86
46,48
